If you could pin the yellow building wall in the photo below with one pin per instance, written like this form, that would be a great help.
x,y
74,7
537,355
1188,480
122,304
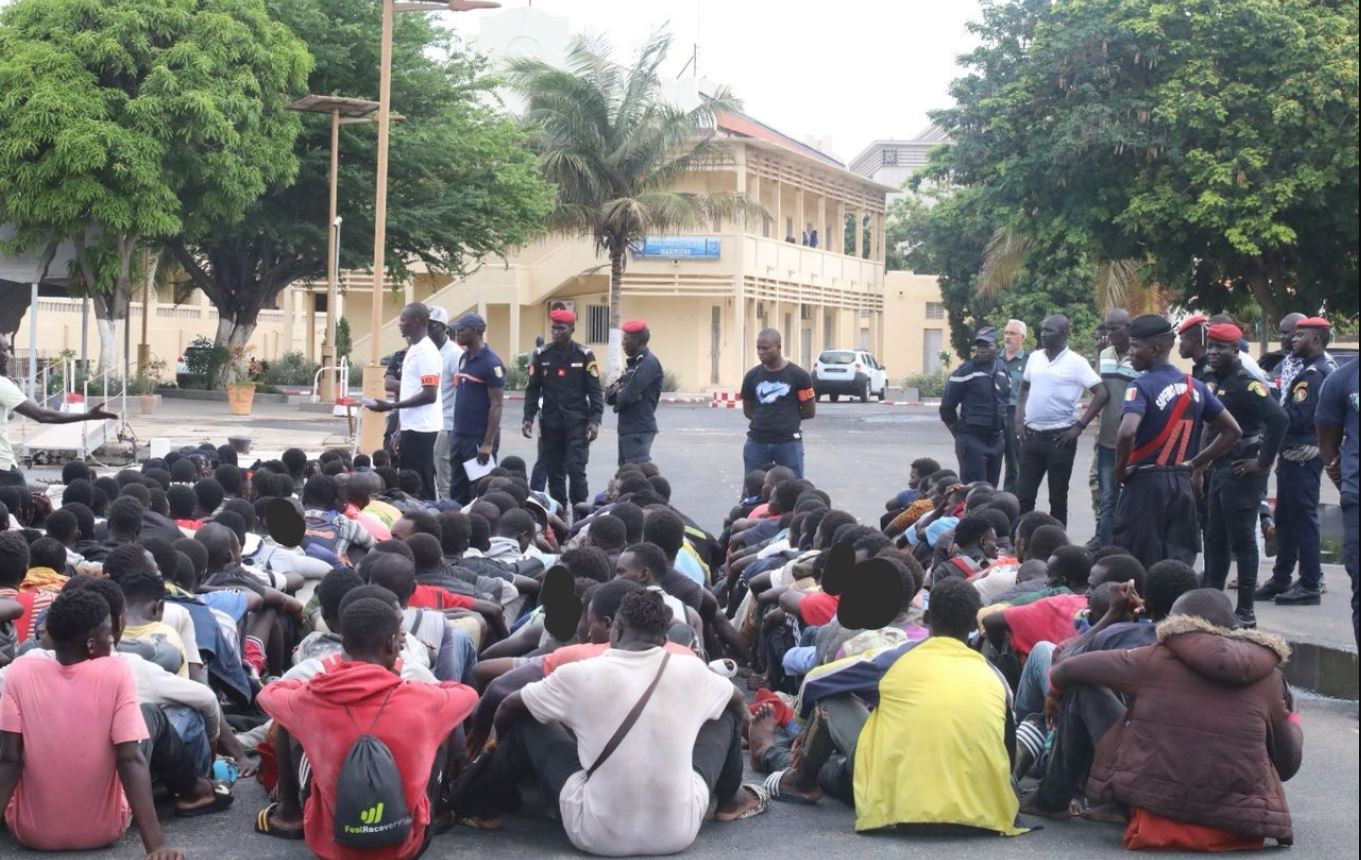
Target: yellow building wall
x,y
906,295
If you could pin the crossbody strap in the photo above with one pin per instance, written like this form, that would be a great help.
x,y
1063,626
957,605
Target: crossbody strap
x,y
1178,410
376,715
622,732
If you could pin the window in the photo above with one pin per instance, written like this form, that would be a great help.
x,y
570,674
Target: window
x,y
597,324
935,311
891,157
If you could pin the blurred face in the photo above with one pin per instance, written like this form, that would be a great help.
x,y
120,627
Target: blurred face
x,y
1306,342
1142,353
412,325
562,333
1287,334
438,333
1221,355
1013,338
628,568
466,336
768,350
984,351
597,628
1117,331
4,354
633,342
1054,333
989,544
1189,342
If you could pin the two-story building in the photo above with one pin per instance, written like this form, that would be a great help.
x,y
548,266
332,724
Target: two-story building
x,y
812,267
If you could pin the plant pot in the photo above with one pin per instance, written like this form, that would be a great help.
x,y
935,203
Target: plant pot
x,y
240,396
912,395
148,403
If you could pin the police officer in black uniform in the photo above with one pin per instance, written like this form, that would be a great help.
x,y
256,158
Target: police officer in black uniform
x,y
1237,482
1299,473
974,409
566,375
635,394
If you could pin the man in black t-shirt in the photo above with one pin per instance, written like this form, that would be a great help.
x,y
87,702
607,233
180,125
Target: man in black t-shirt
x,y
777,395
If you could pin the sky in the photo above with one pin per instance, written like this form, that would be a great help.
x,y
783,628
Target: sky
x,y
847,72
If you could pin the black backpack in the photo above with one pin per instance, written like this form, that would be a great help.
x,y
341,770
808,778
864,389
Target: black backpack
x,y
371,810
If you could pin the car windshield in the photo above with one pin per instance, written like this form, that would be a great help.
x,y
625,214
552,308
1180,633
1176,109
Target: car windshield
x,y
839,357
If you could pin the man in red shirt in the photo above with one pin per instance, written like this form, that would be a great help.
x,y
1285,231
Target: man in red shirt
x,y
327,714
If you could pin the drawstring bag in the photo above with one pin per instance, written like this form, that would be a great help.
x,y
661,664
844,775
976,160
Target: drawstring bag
x,y
371,810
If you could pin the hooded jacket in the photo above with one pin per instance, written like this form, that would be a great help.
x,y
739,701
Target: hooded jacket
x,y
1212,731
416,719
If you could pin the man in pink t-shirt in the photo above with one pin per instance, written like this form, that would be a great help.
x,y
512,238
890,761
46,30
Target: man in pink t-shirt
x,y
69,734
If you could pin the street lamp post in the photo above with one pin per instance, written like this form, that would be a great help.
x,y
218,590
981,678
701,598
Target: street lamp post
x,y
343,111
371,423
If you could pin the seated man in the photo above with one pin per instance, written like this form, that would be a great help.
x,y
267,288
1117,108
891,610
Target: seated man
x,y
647,792
72,773
1050,618
936,749
328,713
1199,757
145,633
451,652
973,549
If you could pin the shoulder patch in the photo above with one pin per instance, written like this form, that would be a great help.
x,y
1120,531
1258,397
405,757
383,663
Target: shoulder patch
x,y
1131,393
1256,387
496,371
1301,393
591,367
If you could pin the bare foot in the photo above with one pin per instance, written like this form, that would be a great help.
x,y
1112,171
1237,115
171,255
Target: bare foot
x,y
745,800
761,733
790,787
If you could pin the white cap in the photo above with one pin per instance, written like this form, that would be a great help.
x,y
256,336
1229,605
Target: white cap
x,y
439,315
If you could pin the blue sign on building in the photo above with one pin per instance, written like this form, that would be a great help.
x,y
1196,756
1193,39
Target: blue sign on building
x,y
678,247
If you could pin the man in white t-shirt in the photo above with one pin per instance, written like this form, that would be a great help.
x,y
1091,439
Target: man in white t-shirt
x,y
421,414
1052,385
649,796
12,399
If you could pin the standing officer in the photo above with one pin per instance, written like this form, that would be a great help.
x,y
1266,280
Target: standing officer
x,y
1299,472
1237,484
1156,455
1014,357
974,409
565,373
635,394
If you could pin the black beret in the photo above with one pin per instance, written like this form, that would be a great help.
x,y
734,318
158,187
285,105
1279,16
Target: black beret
x,y
1149,325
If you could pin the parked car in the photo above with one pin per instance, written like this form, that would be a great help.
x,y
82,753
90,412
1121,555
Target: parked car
x,y
849,371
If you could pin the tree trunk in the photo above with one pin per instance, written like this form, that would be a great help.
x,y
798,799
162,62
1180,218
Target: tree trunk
x,y
1259,281
615,355
234,334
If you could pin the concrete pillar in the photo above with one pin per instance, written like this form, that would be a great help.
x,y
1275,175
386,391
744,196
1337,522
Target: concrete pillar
x,y
859,232
824,235
779,212
802,223
513,309
310,308
819,334
289,313
738,336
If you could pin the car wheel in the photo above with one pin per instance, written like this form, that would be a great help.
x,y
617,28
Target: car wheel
x,y
834,397
865,391
883,392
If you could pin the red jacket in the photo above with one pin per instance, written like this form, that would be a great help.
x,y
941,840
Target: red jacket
x,y
417,719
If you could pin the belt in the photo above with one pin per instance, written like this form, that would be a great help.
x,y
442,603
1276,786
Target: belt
x,y
1154,467
1053,432
1300,453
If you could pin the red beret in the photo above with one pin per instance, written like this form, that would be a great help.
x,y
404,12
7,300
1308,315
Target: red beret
x,y
1226,333
562,315
634,326
1193,320
1313,322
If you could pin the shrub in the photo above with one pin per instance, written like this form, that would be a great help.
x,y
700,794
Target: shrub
x,y
670,381
517,375
291,368
204,362
927,384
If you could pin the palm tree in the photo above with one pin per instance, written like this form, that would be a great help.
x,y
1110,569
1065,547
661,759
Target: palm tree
x,y
615,148
1116,283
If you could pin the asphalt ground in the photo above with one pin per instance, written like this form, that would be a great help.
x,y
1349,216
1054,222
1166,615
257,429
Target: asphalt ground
x,y
860,455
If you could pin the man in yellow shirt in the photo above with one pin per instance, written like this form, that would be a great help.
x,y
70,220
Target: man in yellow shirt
x,y
145,632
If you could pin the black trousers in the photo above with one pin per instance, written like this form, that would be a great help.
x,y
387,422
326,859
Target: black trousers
x,y
1085,713
1156,517
635,447
548,752
418,454
1012,452
1231,530
980,455
168,758
564,452
1297,528
463,448
1042,455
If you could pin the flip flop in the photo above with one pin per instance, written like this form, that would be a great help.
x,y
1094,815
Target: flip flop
x,y
771,786
222,799
264,827
762,802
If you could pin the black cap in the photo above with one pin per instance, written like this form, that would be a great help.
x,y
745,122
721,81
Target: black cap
x,y
1149,325
987,334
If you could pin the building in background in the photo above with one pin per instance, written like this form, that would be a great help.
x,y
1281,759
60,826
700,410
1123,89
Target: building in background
x,y
892,162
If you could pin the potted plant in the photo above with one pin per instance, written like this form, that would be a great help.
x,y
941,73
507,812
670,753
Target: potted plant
x,y
145,384
240,382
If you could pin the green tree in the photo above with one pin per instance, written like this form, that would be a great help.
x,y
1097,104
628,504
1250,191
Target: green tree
x,y
1208,147
461,183
615,148
125,123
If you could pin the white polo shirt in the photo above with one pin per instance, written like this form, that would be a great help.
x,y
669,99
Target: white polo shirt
x,y
422,366
11,396
1055,388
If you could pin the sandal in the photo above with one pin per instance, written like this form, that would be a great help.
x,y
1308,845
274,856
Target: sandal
x,y
222,799
265,827
774,792
762,803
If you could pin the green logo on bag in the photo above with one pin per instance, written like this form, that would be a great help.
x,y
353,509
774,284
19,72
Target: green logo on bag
x,y
372,815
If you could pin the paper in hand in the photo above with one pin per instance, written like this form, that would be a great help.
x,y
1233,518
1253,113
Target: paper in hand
x,y
475,470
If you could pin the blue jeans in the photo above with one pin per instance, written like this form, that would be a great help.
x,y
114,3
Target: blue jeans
x,y
1108,494
1034,685
755,455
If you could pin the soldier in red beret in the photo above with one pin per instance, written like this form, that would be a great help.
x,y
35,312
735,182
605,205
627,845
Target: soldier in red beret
x,y
565,374
635,394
